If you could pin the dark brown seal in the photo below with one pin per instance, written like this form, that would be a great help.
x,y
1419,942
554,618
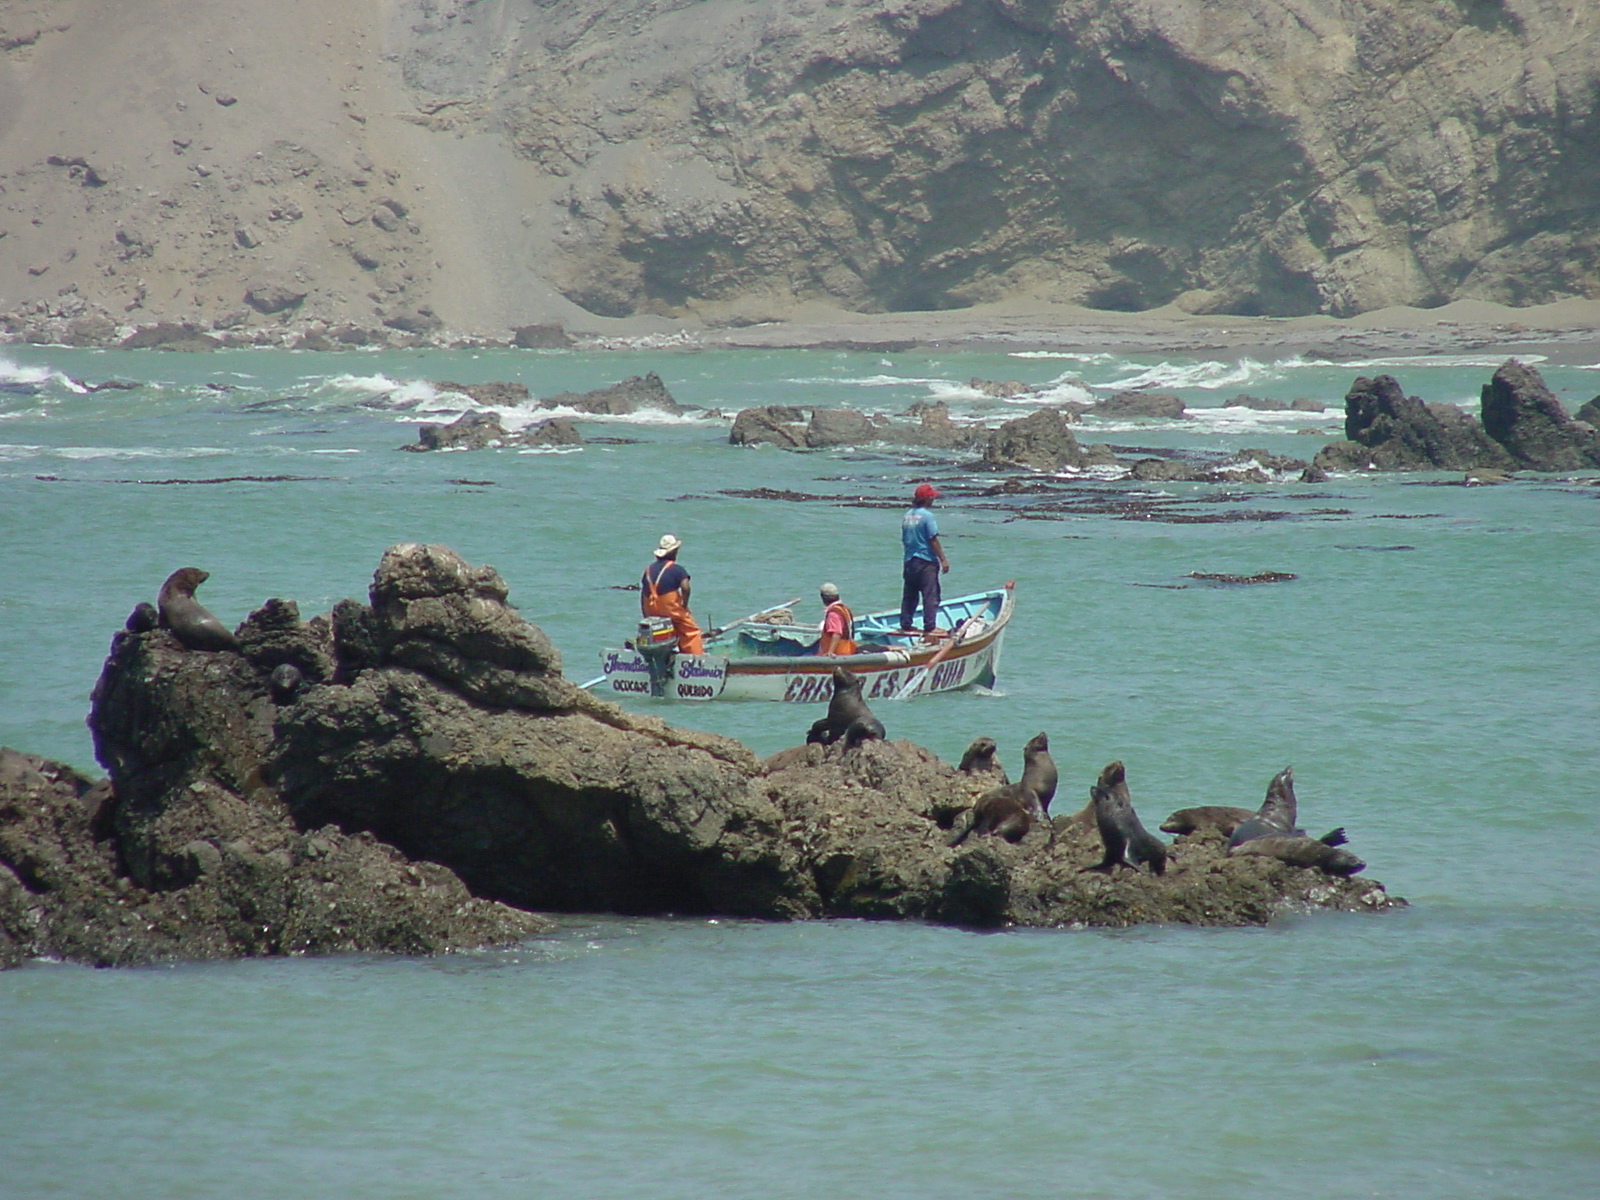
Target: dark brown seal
x,y
980,760
143,618
1224,818
187,618
1277,814
1300,851
848,717
1039,770
1126,841
1010,812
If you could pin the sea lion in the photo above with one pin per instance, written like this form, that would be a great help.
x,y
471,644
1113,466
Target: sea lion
x,y
1277,814
143,618
1039,770
1224,818
284,683
846,709
187,618
980,760
1009,812
1300,851
1126,841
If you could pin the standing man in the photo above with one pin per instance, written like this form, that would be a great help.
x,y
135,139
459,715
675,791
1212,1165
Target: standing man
x,y
925,561
664,592
838,623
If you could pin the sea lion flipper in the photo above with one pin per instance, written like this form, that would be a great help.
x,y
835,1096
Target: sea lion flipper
x,y
1334,837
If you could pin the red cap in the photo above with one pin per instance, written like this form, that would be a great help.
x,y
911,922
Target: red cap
x,y
926,491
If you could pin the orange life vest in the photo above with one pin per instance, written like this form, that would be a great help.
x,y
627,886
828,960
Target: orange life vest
x,y
847,640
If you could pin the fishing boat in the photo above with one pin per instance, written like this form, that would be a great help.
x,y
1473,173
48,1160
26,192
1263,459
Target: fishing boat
x,y
771,657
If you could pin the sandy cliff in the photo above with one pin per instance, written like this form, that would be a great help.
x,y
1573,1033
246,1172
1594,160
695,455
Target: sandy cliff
x,y
479,164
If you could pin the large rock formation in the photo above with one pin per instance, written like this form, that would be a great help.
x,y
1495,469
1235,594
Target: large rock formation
x,y
1523,425
1525,417
1042,441
729,159
1387,430
342,783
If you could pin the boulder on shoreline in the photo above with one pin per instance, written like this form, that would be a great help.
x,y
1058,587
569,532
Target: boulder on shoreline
x,y
426,766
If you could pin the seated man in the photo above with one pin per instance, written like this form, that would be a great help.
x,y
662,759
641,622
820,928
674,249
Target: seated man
x,y
838,623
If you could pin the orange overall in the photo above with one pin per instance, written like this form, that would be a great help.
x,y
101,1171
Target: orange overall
x,y
671,605
845,642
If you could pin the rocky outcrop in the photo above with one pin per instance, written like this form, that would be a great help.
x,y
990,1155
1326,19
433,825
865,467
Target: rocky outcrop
x,y
1524,416
620,399
1387,430
1589,413
770,424
1523,426
781,425
1152,406
1041,441
429,745
492,394
479,430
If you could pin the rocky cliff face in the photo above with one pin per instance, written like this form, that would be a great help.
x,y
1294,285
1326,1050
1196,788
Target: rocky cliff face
x,y
485,164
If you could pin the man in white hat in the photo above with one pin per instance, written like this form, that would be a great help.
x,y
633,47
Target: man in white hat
x,y
664,592
838,623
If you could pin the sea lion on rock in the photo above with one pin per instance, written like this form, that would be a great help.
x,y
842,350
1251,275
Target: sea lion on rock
x,y
1039,770
1126,841
1010,812
187,618
1300,851
285,682
848,715
980,760
143,618
1277,814
1224,818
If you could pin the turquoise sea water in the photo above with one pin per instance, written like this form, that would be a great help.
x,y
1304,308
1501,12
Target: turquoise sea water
x,y
1433,674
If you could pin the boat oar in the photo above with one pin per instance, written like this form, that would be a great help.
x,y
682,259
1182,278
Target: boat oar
x,y
722,629
922,672
592,682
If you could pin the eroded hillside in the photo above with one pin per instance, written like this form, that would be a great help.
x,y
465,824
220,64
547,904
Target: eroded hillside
x,y
497,162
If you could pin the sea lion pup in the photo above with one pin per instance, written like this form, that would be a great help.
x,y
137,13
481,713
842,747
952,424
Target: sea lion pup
x,y
1127,842
1039,770
1224,818
1009,812
845,709
980,760
187,618
1300,851
1277,814
143,618
284,683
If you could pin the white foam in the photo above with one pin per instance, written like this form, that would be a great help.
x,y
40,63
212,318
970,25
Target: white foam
x,y
1094,360
1209,375
88,453
38,377
1486,361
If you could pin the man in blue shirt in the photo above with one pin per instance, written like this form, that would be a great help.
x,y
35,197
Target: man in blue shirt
x,y
925,560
